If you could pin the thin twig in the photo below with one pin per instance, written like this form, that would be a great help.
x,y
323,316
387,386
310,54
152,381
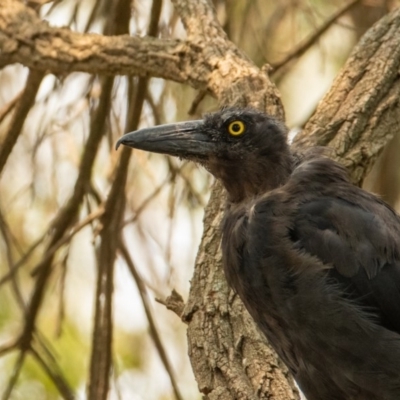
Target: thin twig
x,y
146,201
188,182
14,377
307,43
61,303
5,230
25,103
173,302
6,348
6,109
50,252
14,268
197,100
153,329
54,373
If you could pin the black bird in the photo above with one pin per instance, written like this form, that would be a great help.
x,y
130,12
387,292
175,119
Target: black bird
x,y
315,259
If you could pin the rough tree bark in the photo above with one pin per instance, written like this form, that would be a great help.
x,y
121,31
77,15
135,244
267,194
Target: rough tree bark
x,y
359,115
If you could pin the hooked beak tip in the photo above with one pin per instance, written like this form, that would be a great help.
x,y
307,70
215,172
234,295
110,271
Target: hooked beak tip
x,y
119,142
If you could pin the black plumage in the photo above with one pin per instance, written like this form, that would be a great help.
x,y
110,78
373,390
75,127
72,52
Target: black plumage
x,y
315,259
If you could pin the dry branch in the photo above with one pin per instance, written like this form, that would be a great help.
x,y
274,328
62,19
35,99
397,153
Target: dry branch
x,y
300,49
26,39
208,61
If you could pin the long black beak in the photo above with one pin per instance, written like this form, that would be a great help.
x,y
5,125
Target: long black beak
x,y
183,139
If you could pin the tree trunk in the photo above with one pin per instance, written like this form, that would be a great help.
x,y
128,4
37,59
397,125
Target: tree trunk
x,y
356,119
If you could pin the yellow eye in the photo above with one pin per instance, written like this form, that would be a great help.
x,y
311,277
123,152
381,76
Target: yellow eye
x,y
236,128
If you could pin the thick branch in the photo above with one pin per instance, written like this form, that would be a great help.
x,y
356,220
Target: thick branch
x,y
361,112
26,39
208,62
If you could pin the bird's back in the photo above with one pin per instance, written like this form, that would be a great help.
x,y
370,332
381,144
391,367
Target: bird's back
x,y
317,264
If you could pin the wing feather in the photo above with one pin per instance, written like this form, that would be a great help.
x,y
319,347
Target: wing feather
x,y
359,246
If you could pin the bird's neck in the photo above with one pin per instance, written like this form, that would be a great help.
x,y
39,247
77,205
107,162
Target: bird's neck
x,y
245,181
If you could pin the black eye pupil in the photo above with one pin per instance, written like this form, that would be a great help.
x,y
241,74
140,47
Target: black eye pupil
x,y
236,127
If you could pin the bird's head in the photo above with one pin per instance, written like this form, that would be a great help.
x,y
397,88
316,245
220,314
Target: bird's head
x,y
244,148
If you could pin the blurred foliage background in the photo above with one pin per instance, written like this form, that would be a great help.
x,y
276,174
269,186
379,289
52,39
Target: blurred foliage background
x,y
305,42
